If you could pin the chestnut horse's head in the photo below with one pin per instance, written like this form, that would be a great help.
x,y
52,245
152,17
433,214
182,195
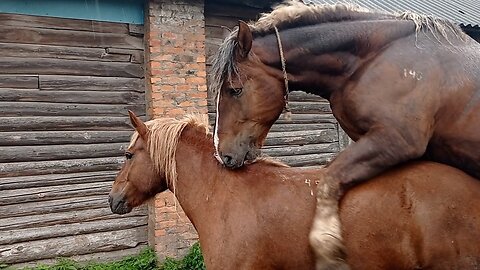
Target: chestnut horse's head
x,y
250,97
138,180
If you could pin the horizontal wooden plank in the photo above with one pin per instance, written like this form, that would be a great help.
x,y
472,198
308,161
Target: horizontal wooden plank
x,y
19,81
115,255
84,83
301,137
33,181
136,56
18,20
37,123
63,137
67,109
303,96
298,127
46,217
50,66
38,194
42,36
62,230
276,151
59,152
300,107
60,166
83,244
295,118
63,52
84,97
307,160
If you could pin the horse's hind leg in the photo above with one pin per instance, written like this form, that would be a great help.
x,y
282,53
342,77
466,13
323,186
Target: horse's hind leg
x,y
325,236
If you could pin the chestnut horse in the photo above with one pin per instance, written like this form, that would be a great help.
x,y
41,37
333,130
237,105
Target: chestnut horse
x,y
423,215
403,86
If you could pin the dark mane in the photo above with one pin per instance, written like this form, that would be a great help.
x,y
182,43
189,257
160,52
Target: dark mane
x,y
291,14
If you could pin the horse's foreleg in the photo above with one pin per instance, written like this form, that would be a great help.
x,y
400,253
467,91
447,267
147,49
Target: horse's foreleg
x,y
378,150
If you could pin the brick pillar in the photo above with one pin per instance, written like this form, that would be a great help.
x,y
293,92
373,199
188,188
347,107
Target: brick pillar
x,y
176,84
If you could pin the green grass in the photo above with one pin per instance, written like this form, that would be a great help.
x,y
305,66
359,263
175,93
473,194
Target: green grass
x,y
145,260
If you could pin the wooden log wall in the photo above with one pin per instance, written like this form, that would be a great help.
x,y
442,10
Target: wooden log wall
x,y
313,136
65,87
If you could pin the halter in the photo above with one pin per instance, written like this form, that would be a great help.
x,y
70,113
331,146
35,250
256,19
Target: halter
x,y
286,109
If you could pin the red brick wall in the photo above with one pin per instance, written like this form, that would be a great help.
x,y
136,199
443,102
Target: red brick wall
x,y
176,84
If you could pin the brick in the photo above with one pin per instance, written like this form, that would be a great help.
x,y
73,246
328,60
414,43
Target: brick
x,y
186,104
169,35
202,102
196,80
183,87
165,224
162,57
201,59
202,87
176,112
160,232
173,80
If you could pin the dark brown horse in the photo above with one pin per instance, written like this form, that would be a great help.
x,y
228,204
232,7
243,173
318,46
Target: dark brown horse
x,y
420,216
402,86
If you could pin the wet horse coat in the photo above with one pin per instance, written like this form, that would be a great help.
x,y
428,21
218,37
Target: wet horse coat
x,y
402,86
422,215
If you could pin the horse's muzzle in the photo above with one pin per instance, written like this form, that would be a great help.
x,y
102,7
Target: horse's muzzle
x,y
118,205
231,162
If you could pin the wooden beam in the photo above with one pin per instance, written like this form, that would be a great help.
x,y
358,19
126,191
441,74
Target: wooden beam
x,y
84,243
37,123
63,52
63,137
277,151
68,109
93,83
39,194
301,137
17,20
307,160
50,66
63,217
42,36
60,166
63,230
59,152
19,81
85,97
33,181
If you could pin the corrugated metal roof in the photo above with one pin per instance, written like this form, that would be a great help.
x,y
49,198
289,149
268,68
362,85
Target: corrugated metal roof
x,y
464,12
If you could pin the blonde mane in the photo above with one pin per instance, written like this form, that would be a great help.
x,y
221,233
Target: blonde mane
x,y
164,134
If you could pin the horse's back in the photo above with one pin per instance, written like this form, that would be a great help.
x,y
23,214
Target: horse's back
x,y
430,218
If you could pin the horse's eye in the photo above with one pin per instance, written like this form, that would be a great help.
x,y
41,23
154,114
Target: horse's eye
x,y
128,155
236,91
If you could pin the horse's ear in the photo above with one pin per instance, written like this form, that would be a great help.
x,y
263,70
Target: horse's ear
x,y
244,38
138,124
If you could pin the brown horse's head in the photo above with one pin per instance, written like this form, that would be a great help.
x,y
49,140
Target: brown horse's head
x,y
250,97
138,180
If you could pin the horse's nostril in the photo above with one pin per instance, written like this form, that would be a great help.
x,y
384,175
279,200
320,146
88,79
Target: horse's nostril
x,y
228,160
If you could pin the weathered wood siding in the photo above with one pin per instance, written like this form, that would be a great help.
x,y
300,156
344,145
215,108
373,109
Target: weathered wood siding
x,y
65,87
312,136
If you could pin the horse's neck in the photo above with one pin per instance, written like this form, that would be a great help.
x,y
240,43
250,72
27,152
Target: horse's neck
x,y
322,58
196,171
